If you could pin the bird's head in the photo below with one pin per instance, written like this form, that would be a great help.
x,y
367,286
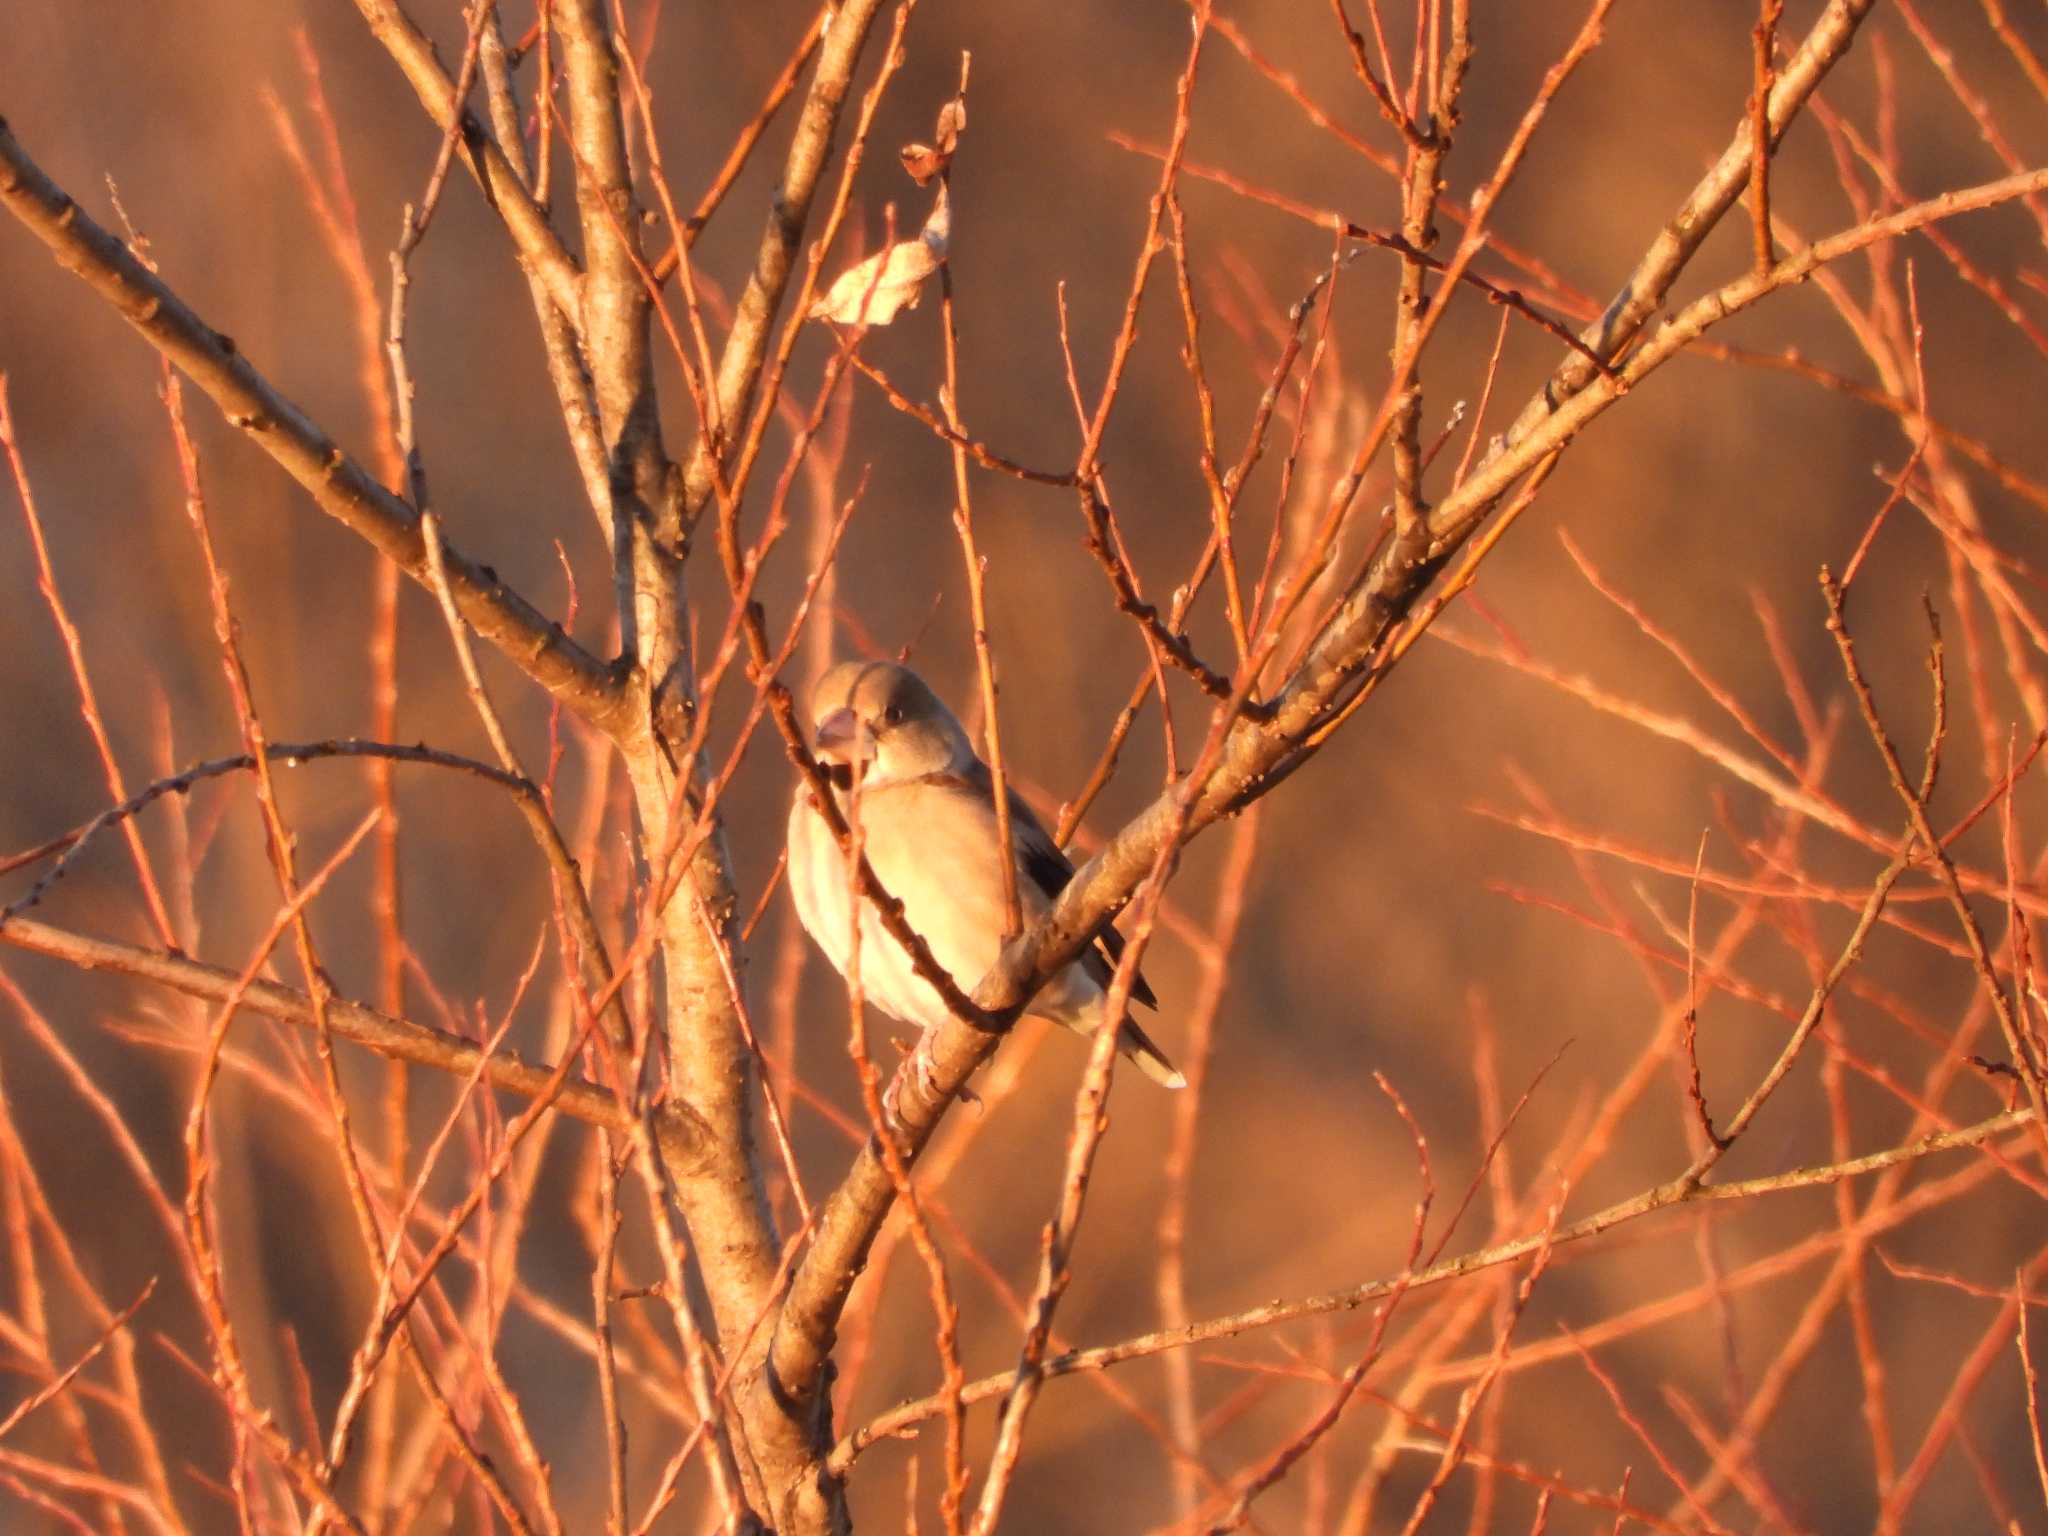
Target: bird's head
x,y
883,716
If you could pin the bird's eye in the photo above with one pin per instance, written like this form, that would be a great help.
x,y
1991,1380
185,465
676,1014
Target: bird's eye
x,y
893,715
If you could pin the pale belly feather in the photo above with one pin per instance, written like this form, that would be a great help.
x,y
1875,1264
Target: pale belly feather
x,y
936,851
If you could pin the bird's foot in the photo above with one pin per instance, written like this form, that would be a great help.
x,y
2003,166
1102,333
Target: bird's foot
x,y
920,1072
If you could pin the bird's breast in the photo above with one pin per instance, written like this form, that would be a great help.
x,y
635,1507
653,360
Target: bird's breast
x,y
935,849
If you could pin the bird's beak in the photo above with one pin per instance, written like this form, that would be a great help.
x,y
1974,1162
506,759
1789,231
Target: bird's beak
x,y
844,739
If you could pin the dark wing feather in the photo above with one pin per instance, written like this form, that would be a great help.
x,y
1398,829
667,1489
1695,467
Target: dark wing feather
x,y
1041,862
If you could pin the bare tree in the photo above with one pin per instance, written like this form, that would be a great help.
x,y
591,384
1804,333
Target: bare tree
x,y
385,1277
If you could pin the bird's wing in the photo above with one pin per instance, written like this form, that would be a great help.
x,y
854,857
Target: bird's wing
x,y
1040,861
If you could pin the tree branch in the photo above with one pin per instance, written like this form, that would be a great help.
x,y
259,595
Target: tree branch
x,y
1663,1197
948,1056
339,485
683,1137
540,250
746,345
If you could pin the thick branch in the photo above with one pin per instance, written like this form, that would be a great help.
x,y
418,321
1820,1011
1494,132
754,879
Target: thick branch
x,y
746,346
338,484
616,299
540,252
1687,231
710,1065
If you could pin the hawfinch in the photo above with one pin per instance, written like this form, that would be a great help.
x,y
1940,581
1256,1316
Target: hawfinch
x,y
928,822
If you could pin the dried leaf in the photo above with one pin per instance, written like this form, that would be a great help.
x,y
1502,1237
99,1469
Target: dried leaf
x,y
924,161
871,292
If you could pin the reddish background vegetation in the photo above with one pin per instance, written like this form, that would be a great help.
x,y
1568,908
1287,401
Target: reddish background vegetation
x,y
1591,858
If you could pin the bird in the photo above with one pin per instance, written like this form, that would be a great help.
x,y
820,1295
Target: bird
x,y
928,822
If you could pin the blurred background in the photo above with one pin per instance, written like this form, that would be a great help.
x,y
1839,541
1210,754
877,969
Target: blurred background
x,y
1393,922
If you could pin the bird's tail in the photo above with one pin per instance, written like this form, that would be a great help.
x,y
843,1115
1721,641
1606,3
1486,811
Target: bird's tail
x,y
1151,1061
1133,1042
